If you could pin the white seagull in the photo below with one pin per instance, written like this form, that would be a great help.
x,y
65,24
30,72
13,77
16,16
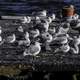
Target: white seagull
x,y
53,17
45,25
25,42
48,19
78,25
20,29
64,28
37,19
76,42
64,48
33,49
48,37
52,30
61,39
42,13
76,17
34,33
11,38
26,19
69,19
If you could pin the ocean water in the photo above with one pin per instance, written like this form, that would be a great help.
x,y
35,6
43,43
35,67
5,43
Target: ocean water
x,y
26,7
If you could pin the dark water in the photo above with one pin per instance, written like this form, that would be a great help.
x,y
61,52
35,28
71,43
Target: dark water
x,y
20,7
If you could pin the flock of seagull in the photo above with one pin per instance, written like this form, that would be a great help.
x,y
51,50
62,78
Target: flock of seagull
x,y
45,35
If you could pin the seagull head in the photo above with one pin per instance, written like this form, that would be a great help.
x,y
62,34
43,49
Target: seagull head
x,y
66,26
53,16
20,29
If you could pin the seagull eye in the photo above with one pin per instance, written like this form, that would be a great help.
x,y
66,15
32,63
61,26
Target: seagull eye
x,y
47,35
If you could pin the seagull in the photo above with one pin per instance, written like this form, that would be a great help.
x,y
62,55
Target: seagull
x,y
48,37
20,29
0,33
52,30
75,50
48,19
69,19
37,20
33,49
63,29
77,25
76,42
42,13
76,17
45,25
11,38
34,33
61,39
26,19
26,35
64,48
53,17
25,42
1,40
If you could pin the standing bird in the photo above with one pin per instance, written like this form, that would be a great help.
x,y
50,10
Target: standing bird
x,y
52,29
76,43
20,29
45,25
78,25
76,17
36,20
34,33
33,49
1,39
61,39
53,17
25,42
42,13
63,29
11,38
48,19
69,19
26,19
48,39
64,48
